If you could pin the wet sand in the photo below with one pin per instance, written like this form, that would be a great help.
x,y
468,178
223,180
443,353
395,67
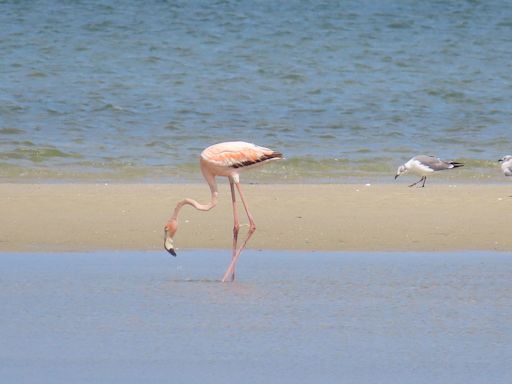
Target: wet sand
x,y
83,217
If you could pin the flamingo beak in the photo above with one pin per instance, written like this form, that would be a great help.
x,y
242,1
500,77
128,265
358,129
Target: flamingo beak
x,y
396,176
169,243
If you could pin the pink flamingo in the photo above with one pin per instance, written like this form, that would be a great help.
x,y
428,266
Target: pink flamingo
x,y
224,159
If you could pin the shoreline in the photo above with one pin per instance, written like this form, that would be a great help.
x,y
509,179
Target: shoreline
x,y
324,217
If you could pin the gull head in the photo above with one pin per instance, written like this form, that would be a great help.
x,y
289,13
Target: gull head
x,y
169,231
505,158
401,169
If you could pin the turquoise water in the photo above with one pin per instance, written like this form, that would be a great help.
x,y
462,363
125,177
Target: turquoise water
x,y
134,91
292,317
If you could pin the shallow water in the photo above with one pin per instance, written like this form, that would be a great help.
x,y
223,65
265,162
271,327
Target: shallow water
x,y
296,317
115,90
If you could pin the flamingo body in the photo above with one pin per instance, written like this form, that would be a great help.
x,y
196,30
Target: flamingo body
x,y
224,159
227,159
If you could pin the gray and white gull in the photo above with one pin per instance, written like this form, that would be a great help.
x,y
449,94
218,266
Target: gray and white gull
x,y
423,166
506,165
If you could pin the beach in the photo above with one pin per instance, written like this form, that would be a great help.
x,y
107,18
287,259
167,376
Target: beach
x,y
369,283
350,277
350,217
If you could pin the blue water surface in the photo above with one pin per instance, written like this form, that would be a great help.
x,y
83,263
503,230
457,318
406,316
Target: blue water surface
x,y
135,90
291,317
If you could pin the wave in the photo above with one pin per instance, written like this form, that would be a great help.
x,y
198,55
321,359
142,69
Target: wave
x,y
292,170
11,131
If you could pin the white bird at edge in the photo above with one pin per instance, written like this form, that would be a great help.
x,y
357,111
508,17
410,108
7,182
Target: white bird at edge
x,y
506,165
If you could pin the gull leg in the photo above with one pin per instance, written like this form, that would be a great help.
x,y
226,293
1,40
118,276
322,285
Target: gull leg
x,y
419,181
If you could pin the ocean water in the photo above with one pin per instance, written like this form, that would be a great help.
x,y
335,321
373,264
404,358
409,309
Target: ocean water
x,y
291,317
116,90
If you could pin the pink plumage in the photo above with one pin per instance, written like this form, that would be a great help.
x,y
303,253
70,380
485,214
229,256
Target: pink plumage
x,y
224,159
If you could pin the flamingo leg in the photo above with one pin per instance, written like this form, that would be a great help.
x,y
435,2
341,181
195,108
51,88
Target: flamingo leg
x,y
236,227
252,226
230,272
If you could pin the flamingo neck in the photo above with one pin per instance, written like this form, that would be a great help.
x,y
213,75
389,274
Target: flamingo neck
x,y
200,207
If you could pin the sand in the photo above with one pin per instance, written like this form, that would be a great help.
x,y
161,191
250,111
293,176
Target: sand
x,y
83,217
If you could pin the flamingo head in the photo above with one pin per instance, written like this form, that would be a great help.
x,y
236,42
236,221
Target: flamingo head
x,y
169,231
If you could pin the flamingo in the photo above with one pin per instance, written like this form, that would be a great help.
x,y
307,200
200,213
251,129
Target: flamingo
x,y
425,165
224,159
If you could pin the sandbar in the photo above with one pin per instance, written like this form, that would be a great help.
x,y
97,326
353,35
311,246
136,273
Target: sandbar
x,y
337,217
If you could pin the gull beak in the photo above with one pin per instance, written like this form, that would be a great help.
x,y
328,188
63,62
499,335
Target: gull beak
x,y
169,243
500,160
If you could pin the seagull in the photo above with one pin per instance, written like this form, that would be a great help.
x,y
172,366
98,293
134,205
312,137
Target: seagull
x,y
506,165
425,165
